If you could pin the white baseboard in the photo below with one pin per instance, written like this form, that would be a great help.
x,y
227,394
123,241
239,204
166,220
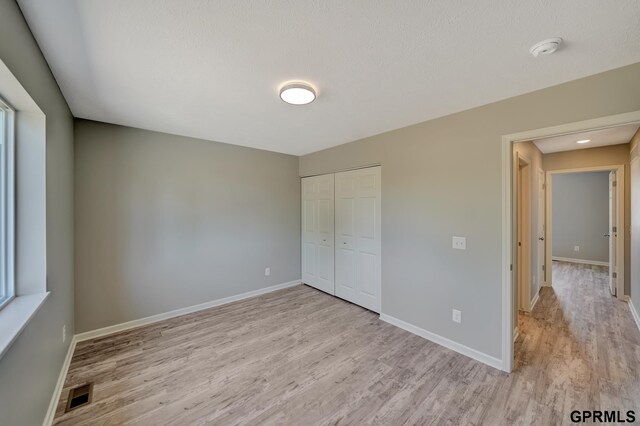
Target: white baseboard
x,y
51,412
583,261
636,317
534,301
443,341
100,332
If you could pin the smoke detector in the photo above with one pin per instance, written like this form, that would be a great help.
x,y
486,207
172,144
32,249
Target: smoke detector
x,y
546,47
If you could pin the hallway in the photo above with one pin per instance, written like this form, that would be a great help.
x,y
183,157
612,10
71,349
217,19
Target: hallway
x,y
578,350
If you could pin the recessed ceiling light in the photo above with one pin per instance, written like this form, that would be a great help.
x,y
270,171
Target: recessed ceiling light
x,y
297,93
584,141
545,47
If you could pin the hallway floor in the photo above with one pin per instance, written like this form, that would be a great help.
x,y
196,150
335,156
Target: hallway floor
x,y
579,349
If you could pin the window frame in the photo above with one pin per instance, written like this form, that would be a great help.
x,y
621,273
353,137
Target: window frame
x,y
7,203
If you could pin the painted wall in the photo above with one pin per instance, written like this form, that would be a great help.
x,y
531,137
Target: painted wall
x,y
443,178
30,369
581,215
634,147
165,222
601,156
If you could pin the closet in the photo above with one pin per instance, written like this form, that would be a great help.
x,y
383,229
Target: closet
x,y
341,229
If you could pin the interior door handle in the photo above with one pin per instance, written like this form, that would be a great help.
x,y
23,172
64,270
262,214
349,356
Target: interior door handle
x,y
541,238
606,235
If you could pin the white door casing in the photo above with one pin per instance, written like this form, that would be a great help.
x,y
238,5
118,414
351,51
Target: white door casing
x,y
358,237
635,221
541,229
612,233
318,232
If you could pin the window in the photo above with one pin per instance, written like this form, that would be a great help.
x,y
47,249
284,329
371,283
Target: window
x,y
7,287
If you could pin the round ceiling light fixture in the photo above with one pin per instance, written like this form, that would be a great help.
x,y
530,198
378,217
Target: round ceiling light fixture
x,y
546,47
584,141
297,93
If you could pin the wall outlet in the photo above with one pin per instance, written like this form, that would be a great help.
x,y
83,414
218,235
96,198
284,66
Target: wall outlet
x,y
64,333
267,272
459,243
456,316
576,248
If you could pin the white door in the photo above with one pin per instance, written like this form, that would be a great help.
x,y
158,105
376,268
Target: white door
x,y
613,233
318,232
541,228
358,242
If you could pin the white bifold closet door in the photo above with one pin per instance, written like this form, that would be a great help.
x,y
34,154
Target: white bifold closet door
x,y
358,242
318,232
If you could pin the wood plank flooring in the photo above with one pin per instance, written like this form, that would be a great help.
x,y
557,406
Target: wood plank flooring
x,y
299,356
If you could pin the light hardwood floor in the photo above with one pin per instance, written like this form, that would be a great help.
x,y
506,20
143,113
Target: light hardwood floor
x,y
299,356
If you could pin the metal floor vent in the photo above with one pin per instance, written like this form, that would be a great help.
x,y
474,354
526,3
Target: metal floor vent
x,y
79,397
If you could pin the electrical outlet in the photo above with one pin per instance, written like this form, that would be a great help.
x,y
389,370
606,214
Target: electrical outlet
x,y
267,272
459,243
64,333
457,316
576,248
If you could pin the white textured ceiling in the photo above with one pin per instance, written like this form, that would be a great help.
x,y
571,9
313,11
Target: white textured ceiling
x,y
212,69
603,137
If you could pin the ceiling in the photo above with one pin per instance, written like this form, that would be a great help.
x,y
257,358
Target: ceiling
x,y
212,69
603,137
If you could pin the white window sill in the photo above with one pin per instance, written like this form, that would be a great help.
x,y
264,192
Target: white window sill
x,y
15,316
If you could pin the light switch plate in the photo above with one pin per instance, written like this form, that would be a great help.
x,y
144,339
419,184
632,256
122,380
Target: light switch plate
x,y
456,316
459,243
267,272
576,248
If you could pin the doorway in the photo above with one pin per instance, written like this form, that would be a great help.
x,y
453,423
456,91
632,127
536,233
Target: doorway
x,y
600,192
523,227
509,218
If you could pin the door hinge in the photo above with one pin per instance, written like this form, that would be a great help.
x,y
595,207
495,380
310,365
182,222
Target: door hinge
x,y
614,229
614,275
614,183
543,267
544,186
511,267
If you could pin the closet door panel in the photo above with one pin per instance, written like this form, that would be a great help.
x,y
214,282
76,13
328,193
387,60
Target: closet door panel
x,y
318,232
358,239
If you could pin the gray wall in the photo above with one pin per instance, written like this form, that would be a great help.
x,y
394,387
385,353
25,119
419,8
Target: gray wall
x,y
164,222
29,370
581,215
443,178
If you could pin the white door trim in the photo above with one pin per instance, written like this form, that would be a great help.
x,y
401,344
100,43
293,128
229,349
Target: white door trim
x,y
507,155
619,169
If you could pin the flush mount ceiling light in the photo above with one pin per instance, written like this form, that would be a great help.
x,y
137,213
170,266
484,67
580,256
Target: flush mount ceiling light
x,y
298,93
545,47
584,141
